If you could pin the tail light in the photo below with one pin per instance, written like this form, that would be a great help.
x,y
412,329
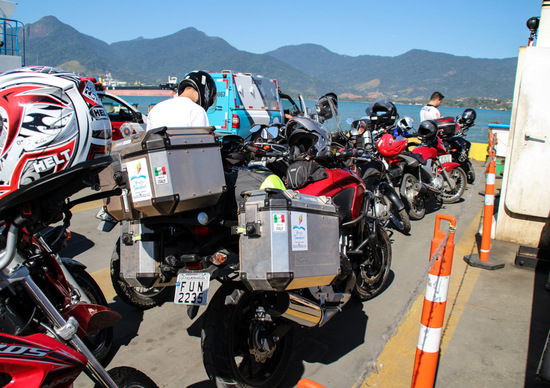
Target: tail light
x,y
235,121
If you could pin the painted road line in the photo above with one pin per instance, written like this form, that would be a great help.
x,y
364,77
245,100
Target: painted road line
x,y
103,279
395,363
88,206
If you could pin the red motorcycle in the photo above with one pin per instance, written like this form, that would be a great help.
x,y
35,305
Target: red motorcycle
x,y
364,244
43,296
427,170
38,360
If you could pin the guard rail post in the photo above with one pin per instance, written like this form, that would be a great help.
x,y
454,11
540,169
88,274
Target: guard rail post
x,y
483,259
435,301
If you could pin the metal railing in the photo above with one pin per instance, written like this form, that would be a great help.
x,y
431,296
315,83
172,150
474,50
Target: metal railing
x,y
12,38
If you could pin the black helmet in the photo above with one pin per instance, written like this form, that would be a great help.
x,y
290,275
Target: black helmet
x,y
203,83
468,117
383,113
427,131
307,136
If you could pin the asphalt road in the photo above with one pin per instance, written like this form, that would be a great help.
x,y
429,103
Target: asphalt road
x,y
165,344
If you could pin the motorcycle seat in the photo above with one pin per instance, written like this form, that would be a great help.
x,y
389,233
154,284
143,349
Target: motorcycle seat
x,y
418,157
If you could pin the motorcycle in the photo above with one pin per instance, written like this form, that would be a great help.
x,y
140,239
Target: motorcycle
x,y
247,328
53,313
388,206
426,171
453,131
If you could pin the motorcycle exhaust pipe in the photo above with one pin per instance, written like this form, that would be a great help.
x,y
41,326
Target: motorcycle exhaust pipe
x,y
307,313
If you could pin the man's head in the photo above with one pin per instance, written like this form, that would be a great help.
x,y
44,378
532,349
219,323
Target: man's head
x,y
200,87
189,92
436,99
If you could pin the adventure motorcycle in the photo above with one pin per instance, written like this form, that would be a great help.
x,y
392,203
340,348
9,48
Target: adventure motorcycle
x,y
225,231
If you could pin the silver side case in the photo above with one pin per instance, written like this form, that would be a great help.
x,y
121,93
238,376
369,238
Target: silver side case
x,y
290,241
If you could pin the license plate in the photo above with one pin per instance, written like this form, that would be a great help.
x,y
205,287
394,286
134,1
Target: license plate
x,y
192,288
446,158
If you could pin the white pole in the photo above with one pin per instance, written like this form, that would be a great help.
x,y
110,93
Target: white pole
x,y
543,39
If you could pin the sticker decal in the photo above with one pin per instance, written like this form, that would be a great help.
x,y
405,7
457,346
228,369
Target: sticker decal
x,y
299,231
139,180
161,177
279,222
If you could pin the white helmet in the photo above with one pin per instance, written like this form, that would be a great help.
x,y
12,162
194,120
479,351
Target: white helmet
x,y
51,121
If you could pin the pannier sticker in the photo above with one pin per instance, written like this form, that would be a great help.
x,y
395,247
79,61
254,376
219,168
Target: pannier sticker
x,y
140,185
279,222
298,222
161,177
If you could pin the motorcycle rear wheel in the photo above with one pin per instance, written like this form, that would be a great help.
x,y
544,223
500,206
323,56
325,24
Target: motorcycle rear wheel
x,y
460,179
138,297
126,377
414,202
101,344
372,274
226,341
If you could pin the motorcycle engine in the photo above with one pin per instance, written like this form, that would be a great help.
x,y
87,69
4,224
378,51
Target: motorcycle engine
x,y
438,182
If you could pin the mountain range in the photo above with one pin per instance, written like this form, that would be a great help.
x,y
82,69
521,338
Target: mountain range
x,y
307,68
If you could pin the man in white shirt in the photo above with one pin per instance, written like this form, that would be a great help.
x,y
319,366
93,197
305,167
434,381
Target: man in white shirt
x,y
430,111
196,93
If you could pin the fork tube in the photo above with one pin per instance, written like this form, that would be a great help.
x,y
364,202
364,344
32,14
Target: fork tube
x,y
95,370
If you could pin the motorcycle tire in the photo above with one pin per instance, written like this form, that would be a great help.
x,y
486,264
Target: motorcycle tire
x,y
101,344
372,278
400,220
126,377
471,173
225,337
140,298
415,204
460,179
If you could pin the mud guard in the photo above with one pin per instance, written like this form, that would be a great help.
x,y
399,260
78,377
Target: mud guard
x,y
390,192
71,263
450,166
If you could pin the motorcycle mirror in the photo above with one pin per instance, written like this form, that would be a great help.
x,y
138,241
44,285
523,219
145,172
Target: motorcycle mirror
x,y
256,128
273,131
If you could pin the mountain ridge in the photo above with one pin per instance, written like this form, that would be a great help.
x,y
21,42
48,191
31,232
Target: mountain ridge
x,y
307,68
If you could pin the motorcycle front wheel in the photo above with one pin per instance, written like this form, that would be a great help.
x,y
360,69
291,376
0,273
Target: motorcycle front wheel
x,y
414,201
139,297
237,347
400,220
126,377
101,344
373,271
459,177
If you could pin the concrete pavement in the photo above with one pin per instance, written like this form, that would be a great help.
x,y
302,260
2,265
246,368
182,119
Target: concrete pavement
x,y
165,344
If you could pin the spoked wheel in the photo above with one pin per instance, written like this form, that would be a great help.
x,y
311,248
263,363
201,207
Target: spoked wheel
x,y
126,377
239,346
372,273
459,177
140,297
101,343
414,201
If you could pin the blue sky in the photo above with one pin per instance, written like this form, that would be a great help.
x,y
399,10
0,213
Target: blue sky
x,y
477,28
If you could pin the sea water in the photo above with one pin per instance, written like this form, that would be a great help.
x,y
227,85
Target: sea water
x,y
355,110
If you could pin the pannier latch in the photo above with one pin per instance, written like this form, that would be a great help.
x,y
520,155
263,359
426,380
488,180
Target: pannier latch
x,y
253,229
